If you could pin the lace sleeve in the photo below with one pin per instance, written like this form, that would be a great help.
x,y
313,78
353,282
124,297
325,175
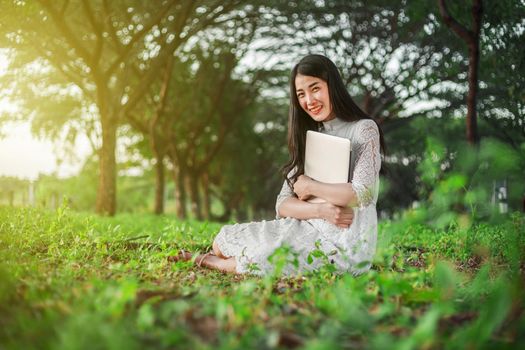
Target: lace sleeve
x,y
286,192
368,162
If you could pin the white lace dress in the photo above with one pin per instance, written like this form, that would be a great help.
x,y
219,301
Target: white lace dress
x,y
349,250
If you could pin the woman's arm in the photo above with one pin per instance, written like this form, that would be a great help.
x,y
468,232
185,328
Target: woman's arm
x,y
342,195
293,207
298,209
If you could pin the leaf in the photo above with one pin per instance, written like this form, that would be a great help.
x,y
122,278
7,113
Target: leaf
x,y
310,259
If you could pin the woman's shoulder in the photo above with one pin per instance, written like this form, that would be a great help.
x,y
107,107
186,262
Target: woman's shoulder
x,y
357,130
361,124
366,123
366,129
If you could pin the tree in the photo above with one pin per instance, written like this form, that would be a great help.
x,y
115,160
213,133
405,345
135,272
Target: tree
x,y
112,52
199,121
145,119
471,38
501,103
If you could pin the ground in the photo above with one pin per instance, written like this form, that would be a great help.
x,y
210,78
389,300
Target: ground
x,y
71,280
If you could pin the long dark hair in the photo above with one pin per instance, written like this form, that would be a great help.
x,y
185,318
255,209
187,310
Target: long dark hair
x,y
299,121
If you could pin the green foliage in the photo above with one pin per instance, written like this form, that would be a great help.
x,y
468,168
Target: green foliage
x,y
459,184
74,281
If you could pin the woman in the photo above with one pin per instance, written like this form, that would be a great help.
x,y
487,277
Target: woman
x,y
345,226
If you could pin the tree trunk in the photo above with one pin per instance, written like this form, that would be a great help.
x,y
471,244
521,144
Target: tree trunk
x,y
159,185
156,139
107,185
242,214
195,197
472,124
367,103
179,192
471,38
206,195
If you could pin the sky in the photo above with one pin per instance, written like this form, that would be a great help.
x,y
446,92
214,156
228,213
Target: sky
x,y
24,156
21,155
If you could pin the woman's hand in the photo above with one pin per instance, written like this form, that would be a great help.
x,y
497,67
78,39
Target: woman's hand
x,y
339,216
301,187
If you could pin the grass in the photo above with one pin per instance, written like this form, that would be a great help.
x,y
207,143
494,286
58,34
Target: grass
x,y
76,281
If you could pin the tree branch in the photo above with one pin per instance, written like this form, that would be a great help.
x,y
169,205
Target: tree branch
x,y
119,47
139,93
127,48
64,8
211,18
452,23
242,102
97,29
72,40
153,125
220,89
60,65
136,123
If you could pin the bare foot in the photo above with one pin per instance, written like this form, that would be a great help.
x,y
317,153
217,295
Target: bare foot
x,y
182,256
209,260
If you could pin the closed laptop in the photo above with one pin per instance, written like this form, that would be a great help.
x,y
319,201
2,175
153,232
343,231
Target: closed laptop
x,y
327,159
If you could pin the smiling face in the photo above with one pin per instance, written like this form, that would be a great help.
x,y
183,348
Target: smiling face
x,y
313,97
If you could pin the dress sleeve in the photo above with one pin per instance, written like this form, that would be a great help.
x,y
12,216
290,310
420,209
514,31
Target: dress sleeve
x,y
368,162
286,192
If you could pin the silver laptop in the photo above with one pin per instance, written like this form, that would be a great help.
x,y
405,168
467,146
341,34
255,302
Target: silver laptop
x,y
327,159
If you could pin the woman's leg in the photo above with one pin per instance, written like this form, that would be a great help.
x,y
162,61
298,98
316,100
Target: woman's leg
x,y
215,260
217,251
216,263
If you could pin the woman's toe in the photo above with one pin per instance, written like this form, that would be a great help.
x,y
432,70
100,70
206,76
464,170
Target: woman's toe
x,y
182,256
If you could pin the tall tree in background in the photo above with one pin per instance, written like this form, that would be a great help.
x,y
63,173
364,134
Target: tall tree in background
x,y
471,38
189,94
501,99
200,121
99,46
146,120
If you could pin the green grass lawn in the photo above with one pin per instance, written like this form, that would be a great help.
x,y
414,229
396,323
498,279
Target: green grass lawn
x,y
78,281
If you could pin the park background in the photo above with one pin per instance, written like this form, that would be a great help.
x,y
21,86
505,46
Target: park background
x,y
169,117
